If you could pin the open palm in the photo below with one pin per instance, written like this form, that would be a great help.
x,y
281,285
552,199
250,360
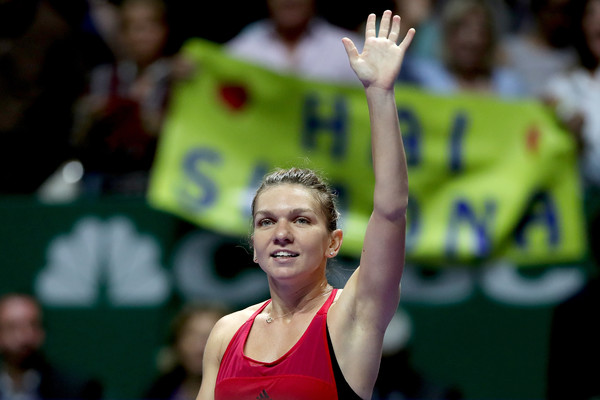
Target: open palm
x,y
379,63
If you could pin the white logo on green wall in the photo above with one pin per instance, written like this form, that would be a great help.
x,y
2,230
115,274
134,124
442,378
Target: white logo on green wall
x,y
103,262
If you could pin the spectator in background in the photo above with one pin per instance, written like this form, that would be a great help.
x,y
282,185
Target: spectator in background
x,y
294,39
574,348
575,94
420,14
41,75
181,369
469,50
544,50
120,117
575,97
25,374
101,26
518,15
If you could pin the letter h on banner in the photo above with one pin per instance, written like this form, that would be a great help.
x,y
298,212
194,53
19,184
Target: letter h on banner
x,y
336,125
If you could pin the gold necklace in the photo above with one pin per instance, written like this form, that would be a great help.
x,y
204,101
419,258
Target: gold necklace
x,y
270,319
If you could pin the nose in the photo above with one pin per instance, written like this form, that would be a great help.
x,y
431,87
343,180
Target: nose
x,y
283,233
26,335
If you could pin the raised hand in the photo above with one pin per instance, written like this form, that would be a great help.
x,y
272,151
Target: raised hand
x,y
379,63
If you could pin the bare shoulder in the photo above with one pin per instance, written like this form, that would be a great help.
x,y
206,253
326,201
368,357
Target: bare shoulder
x,y
217,343
227,326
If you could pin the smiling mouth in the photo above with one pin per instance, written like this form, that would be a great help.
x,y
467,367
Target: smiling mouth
x,y
284,254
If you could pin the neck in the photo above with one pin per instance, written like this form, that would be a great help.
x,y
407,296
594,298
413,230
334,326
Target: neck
x,y
15,374
291,35
473,79
300,301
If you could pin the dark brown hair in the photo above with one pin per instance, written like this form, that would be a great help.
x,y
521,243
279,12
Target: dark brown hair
x,y
587,58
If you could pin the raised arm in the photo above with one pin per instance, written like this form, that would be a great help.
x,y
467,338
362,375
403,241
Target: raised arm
x,y
374,288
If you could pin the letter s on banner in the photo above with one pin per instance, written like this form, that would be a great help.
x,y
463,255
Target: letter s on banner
x,y
202,192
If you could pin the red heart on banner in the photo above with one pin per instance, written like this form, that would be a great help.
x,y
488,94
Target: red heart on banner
x,y
533,138
234,96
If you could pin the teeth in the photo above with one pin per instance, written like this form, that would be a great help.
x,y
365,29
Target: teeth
x,y
284,254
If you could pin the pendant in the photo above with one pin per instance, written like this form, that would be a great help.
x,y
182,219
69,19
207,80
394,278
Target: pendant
x,y
269,320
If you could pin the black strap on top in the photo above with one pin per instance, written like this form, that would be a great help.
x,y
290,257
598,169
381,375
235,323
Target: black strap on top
x,y
344,390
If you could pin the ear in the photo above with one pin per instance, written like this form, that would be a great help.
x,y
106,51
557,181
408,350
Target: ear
x,y
254,258
335,243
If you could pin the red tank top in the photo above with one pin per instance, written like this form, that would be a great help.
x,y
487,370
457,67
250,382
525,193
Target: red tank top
x,y
304,372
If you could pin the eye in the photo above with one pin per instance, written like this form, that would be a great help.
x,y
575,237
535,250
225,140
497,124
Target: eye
x,y
264,222
302,220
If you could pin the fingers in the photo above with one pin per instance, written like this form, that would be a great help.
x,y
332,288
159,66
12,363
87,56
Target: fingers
x,y
370,30
351,49
389,28
395,31
408,38
384,27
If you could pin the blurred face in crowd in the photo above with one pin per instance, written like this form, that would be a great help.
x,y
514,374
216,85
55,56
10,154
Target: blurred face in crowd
x,y
291,14
413,11
191,341
21,332
555,22
469,42
144,30
591,26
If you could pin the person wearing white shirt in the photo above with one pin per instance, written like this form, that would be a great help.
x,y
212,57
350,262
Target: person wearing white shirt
x,y
294,40
575,95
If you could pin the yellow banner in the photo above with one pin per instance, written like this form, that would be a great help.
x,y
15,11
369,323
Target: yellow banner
x,y
488,178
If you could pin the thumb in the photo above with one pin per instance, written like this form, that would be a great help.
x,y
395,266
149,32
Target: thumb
x,y
351,49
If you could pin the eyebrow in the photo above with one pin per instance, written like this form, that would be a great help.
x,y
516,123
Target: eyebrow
x,y
293,211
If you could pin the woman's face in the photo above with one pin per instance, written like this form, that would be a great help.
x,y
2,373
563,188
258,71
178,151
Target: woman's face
x,y
555,22
290,233
291,14
591,26
469,41
144,32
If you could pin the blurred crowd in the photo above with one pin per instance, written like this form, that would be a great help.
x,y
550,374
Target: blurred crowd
x,y
90,81
84,87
